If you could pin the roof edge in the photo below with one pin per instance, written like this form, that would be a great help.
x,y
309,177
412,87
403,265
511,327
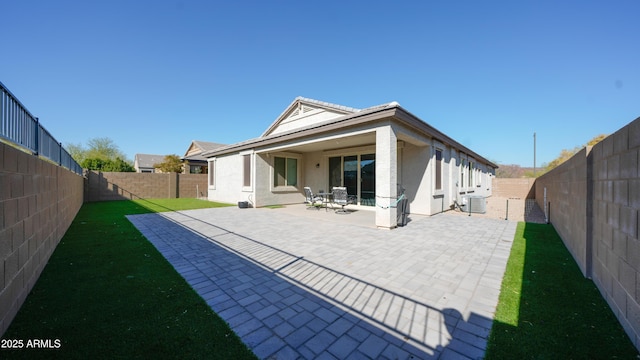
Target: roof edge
x,y
300,99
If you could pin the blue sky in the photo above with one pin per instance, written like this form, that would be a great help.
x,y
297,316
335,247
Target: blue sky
x,y
155,75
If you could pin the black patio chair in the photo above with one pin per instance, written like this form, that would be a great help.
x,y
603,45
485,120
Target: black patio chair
x,y
342,198
311,199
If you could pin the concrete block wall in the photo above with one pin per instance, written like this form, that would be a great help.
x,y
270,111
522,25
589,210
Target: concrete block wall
x,y
38,202
567,197
616,205
107,186
192,186
514,188
595,207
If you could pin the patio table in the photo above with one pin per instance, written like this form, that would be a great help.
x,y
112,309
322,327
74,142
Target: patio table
x,y
326,197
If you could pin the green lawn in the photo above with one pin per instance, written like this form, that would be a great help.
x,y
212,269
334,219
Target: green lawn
x,y
108,293
548,310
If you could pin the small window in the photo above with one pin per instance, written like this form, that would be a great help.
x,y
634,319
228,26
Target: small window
x,y
212,170
471,177
438,169
463,165
246,179
285,172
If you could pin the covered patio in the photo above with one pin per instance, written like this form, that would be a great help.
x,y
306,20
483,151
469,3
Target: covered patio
x,y
351,159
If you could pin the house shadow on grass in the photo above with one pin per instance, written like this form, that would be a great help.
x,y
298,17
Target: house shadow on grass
x,y
548,309
284,306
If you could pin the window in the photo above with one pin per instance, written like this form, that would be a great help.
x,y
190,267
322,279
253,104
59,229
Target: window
x,y
285,171
246,179
197,169
438,169
463,165
212,170
471,178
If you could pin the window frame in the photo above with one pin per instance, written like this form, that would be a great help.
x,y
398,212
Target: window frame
x,y
438,173
463,174
247,171
286,187
211,175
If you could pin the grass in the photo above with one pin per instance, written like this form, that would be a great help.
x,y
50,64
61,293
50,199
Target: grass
x,y
108,293
548,310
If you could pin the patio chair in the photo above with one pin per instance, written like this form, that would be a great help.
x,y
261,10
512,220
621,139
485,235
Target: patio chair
x,y
311,199
340,197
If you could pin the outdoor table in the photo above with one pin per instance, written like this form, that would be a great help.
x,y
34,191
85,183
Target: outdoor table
x,y
325,198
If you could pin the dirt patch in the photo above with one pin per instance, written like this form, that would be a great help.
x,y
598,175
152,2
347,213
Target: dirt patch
x,y
510,209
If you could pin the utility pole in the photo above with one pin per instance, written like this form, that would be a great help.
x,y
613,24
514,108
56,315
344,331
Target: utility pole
x,y
534,154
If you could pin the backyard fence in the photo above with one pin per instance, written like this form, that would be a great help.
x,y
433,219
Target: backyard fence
x,y
19,127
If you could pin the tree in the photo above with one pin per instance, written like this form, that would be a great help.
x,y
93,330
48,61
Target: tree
x,y
117,165
97,148
77,152
120,165
103,148
101,154
171,163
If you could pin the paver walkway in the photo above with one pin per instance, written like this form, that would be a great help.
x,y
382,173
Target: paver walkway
x,y
295,288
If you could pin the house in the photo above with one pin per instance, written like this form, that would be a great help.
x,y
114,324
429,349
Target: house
x,y
378,153
143,163
194,162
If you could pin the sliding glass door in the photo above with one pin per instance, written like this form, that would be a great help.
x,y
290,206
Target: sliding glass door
x,y
351,174
368,179
357,173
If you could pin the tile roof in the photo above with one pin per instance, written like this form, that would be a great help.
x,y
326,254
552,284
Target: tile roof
x,y
204,146
301,129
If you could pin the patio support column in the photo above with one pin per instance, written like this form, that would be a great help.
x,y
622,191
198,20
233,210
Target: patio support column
x,y
386,177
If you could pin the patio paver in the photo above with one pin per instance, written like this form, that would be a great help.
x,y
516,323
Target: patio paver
x,y
294,287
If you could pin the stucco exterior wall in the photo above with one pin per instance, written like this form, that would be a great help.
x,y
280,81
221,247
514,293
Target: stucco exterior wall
x,y
415,162
262,180
38,201
315,177
266,194
412,169
418,178
228,180
440,200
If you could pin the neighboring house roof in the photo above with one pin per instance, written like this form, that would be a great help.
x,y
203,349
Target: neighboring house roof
x,y
195,150
147,160
351,117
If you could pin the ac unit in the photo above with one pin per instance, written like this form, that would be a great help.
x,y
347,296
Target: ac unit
x,y
475,204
